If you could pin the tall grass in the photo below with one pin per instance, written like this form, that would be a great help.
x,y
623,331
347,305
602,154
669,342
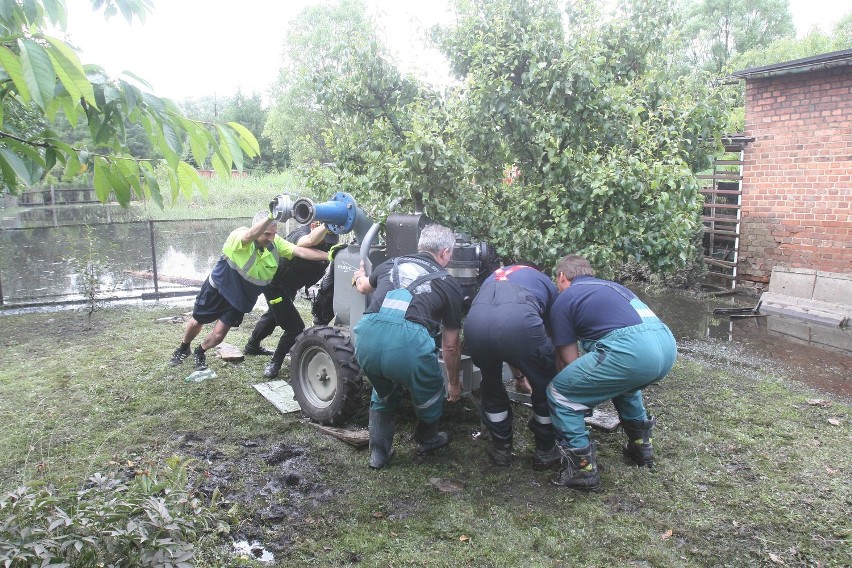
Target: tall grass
x,y
235,197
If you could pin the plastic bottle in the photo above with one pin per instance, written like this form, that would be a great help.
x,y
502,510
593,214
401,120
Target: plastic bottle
x,y
199,376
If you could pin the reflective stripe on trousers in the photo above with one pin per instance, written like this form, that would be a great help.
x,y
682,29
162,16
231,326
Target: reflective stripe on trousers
x,y
394,353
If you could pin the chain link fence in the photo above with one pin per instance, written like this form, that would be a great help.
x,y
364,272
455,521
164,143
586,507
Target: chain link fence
x,y
112,260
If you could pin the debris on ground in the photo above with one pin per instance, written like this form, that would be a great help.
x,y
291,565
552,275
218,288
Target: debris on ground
x,y
230,353
359,438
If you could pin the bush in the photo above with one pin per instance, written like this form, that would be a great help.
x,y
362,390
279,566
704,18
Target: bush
x,y
152,520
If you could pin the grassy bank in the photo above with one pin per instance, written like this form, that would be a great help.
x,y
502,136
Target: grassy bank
x,y
235,197
753,469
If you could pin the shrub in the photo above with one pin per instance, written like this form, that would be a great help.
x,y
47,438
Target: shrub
x,y
151,520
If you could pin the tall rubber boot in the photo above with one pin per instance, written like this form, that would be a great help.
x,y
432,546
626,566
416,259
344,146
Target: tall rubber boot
x,y
638,447
546,456
381,428
581,469
429,438
547,452
500,451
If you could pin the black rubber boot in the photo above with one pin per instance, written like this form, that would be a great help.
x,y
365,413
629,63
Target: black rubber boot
x,y
546,457
429,438
546,453
381,427
580,471
272,368
500,451
638,447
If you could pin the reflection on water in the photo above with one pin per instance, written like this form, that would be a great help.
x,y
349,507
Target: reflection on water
x,y
820,354
42,265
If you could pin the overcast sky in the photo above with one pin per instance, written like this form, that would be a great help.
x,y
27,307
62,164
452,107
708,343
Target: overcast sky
x,y
194,48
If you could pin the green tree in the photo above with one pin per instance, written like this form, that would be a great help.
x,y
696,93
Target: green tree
x,y
41,77
717,30
316,42
589,107
605,134
246,110
815,42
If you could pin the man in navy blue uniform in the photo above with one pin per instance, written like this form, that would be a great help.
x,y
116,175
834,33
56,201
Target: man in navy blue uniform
x,y
626,348
506,322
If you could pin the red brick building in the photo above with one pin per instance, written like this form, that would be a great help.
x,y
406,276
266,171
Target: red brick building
x,y
797,173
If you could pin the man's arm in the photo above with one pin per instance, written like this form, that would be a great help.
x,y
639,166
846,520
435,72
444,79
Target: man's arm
x,y
313,238
309,253
361,281
567,355
255,231
452,361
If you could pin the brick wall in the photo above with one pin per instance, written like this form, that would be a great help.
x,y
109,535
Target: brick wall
x,y
797,176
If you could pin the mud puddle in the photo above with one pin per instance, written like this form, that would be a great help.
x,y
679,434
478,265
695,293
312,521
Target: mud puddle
x,y
275,483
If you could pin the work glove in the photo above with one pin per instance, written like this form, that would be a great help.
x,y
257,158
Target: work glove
x,y
332,252
280,208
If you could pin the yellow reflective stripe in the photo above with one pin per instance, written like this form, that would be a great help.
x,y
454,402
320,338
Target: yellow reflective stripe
x,y
275,301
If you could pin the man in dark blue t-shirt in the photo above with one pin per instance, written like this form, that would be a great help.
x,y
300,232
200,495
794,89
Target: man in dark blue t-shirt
x,y
626,347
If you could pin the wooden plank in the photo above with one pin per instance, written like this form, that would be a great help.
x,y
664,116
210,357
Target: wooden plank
x,y
719,263
720,192
720,219
722,206
721,275
728,162
721,176
724,233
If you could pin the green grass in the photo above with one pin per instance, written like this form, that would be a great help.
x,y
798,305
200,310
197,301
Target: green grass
x,y
750,471
235,197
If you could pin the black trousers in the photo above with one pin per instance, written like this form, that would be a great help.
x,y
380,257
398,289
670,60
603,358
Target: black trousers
x,y
504,325
281,313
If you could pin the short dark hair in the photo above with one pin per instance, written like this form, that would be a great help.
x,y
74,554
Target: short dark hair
x,y
573,265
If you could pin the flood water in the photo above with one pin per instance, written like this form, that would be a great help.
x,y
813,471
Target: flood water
x,y
40,265
815,354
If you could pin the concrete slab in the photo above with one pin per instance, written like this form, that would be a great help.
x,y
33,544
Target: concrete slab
x,y
811,310
833,339
816,296
796,282
833,287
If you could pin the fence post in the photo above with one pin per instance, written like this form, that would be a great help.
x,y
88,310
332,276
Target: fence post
x,y
1,292
153,256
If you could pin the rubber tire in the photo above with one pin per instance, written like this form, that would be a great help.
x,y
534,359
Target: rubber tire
x,y
325,352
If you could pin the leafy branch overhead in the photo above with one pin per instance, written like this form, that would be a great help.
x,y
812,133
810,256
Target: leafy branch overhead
x,y
41,78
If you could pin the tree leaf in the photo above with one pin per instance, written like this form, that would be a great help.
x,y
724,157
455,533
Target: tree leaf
x,y
101,181
227,140
56,13
129,169
38,72
10,180
17,165
247,140
70,71
190,179
12,64
223,171
151,186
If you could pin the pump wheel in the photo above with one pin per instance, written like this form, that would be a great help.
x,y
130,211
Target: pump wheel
x,y
325,376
